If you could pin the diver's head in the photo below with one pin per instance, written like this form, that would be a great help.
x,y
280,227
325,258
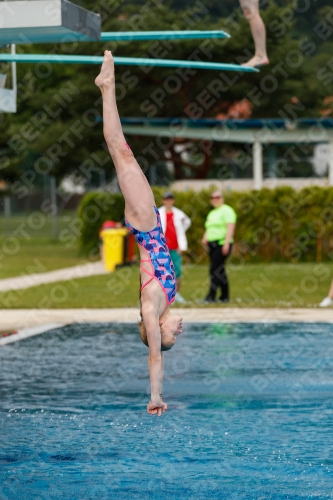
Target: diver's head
x,y
170,327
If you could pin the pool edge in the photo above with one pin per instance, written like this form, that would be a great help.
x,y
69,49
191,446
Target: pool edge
x,y
18,319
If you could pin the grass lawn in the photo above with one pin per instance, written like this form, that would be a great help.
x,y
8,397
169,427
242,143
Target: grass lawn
x,y
21,256
252,285
36,224
27,244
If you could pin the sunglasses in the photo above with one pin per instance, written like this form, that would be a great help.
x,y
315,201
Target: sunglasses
x,y
215,197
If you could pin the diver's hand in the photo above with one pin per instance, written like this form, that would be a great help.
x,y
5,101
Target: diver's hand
x,y
158,407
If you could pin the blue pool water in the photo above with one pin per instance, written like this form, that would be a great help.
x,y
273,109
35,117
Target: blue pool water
x,y
250,415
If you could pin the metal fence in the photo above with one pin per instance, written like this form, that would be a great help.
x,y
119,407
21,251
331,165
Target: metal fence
x,y
44,212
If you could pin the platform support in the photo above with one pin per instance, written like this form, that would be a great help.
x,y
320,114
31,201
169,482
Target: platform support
x,y
330,164
257,165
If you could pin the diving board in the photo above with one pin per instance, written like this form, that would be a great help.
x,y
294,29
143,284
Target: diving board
x,y
45,21
123,61
61,21
114,36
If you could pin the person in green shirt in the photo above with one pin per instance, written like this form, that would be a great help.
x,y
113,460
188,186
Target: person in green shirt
x,y
220,227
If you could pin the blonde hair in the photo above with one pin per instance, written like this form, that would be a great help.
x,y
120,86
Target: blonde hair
x,y
143,335
219,191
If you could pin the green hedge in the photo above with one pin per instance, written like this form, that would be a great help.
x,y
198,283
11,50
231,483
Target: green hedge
x,y
278,224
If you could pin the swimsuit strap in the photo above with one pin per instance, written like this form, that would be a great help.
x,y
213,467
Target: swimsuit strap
x,y
145,270
145,284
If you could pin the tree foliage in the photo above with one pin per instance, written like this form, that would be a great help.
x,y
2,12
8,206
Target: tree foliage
x,y
277,224
56,129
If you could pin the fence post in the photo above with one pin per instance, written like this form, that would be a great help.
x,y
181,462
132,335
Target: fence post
x,y
152,175
6,203
53,187
102,178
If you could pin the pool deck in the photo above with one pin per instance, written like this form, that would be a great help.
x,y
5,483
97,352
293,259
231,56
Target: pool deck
x,y
16,319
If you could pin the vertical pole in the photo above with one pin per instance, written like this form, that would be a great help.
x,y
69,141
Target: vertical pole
x,y
271,161
46,182
14,76
152,175
257,165
102,178
330,164
53,186
6,202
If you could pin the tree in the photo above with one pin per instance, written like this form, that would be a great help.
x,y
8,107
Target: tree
x,y
57,128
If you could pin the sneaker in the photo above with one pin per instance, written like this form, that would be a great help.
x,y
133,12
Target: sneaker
x,y
224,301
179,298
207,300
326,302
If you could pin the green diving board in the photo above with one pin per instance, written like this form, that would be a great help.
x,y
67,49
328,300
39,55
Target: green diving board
x,y
123,61
161,35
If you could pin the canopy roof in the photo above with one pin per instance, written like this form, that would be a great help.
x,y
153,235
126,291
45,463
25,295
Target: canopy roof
x,y
269,130
248,123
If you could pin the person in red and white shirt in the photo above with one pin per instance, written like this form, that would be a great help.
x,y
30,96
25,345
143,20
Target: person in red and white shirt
x,y
175,223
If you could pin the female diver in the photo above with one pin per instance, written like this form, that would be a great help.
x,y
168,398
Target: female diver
x,y
158,328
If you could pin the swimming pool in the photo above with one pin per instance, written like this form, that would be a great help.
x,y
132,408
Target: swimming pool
x,y
250,414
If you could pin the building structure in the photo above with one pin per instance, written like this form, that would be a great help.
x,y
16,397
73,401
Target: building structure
x,y
253,132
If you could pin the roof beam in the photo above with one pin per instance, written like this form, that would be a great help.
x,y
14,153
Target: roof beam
x,y
224,134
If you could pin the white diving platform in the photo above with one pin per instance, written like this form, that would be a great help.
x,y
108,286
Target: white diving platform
x,y
56,21
47,21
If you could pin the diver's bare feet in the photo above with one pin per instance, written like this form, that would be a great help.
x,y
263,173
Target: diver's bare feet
x,y
106,75
156,407
257,61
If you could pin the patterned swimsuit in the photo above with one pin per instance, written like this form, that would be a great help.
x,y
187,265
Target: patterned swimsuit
x,y
160,261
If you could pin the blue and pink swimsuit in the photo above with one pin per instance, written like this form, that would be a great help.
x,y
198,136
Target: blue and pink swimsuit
x,y
162,268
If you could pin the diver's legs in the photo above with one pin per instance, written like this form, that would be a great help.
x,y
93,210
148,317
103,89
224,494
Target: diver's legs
x,y
139,199
251,12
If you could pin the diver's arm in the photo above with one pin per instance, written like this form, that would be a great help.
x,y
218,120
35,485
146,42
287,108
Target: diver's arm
x,y
155,358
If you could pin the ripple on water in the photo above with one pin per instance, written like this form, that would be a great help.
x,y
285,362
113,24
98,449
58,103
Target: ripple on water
x,y
249,414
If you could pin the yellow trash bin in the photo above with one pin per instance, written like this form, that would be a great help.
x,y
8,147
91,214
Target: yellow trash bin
x,y
113,247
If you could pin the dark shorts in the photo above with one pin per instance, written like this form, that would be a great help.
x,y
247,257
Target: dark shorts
x,y
177,262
